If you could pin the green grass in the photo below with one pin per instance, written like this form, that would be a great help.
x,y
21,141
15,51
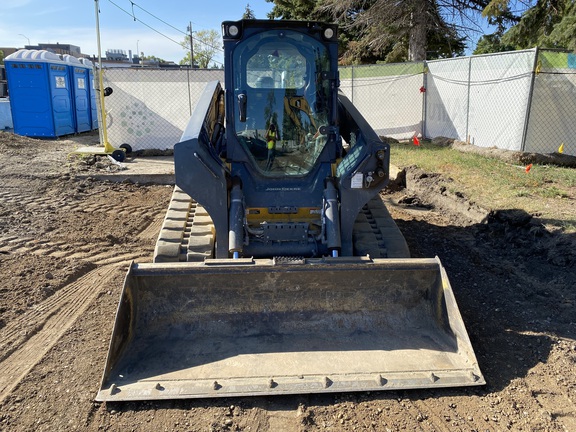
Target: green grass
x,y
545,191
381,70
552,59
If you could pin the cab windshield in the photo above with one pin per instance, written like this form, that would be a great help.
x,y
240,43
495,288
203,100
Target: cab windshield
x,y
282,100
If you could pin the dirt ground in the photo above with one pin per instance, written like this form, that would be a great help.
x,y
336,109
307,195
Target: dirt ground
x,y
66,241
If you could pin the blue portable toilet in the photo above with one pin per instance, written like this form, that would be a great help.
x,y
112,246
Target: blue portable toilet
x,y
40,94
93,92
80,85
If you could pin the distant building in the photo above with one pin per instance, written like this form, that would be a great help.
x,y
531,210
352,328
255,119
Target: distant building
x,y
56,48
111,58
117,55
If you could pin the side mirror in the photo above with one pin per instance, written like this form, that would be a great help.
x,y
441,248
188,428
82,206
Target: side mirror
x,y
242,103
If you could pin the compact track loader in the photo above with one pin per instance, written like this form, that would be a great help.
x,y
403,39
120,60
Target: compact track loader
x,y
278,269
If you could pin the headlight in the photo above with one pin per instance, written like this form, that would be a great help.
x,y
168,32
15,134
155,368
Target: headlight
x,y
233,30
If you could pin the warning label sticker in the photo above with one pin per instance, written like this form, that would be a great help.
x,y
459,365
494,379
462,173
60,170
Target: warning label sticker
x,y
60,82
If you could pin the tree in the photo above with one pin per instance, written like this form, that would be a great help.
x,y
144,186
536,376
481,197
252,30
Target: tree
x,y
548,24
384,23
373,30
1,57
491,43
205,48
153,59
294,9
310,10
248,13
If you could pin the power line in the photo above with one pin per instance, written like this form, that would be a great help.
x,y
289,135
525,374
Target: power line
x,y
154,16
142,22
159,19
182,44
170,25
162,21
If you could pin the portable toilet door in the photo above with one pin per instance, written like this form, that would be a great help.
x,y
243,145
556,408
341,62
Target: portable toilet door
x,y
40,96
80,80
62,101
93,91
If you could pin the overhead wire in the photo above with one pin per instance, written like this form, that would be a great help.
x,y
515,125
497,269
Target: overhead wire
x,y
170,25
183,44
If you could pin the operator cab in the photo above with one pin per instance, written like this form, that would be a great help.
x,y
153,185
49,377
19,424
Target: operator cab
x,y
281,78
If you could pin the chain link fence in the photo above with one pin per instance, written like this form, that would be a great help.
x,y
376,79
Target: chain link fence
x,y
480,99
551,119
389,96
150,108
520,100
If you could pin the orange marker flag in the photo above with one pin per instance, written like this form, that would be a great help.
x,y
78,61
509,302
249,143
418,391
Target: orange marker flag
x,y
416,141
528,168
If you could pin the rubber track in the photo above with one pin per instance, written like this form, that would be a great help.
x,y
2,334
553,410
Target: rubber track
x,y
376,234
187,233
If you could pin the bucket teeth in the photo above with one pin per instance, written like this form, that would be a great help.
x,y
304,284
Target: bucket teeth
x,y
380,380
327,382
272,383
216,386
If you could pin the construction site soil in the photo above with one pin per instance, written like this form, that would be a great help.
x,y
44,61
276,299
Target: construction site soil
x,y
66,240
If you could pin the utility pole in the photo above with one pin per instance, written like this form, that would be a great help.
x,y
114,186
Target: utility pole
x,y
191,46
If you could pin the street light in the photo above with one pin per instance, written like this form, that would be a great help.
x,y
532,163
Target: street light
x,y
140,58
24,36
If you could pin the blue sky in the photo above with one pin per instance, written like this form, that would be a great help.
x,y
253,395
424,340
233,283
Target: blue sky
x,y
74,22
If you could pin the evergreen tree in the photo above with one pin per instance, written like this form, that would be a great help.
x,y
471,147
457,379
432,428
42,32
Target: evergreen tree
x,y
548,24
248,13
372,30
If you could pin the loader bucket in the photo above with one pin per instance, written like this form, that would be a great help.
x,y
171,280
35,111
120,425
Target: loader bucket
x,y
255,327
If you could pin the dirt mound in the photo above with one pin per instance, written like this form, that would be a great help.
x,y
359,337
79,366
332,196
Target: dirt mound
x,y
516,232
439,192
513,157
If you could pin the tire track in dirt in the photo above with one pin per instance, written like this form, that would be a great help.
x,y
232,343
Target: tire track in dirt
x,y
48,322
80,250
98,252
25,341
82,206
152,230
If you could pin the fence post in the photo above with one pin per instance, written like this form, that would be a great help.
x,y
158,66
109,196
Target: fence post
x,y
424,98
352,85
189,96
468,99
529,102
